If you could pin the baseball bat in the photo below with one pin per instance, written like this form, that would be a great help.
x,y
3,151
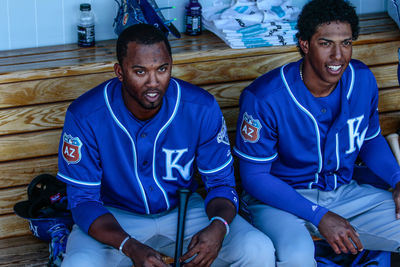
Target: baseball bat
x,y
184,194
393,140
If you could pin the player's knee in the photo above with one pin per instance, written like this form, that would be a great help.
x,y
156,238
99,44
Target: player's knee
x,y
296,256
258,249
78,259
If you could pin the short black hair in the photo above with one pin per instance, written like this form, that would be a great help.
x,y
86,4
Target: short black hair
x,y
317,12
141,34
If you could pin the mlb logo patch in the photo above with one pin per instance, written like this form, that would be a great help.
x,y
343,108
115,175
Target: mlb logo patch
x,y
222,136
250,129
71,149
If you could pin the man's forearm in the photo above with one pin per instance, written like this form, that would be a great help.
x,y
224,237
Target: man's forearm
x,y
107,230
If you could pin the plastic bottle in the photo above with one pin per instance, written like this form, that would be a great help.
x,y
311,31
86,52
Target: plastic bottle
x,y
86,26
193,18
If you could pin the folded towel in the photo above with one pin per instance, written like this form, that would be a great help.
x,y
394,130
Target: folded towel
x,y
253,23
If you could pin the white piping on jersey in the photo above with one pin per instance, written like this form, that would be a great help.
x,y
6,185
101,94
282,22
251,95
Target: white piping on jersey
x,y
337,152
374,135
253,158
133,147
216,169
309,115
351,82
77,181
178,99
315,181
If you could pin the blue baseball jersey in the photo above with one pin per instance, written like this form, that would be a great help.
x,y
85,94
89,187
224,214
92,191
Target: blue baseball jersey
x,y
119,161
282,123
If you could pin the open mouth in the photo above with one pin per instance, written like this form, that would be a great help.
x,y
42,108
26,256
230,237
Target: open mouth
x,y
334,68
152,96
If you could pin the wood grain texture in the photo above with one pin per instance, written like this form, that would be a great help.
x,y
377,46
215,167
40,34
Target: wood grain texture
x,y
11,225
390,122
23,251
30,145
243,68
21,172
32,118
42,91
10,196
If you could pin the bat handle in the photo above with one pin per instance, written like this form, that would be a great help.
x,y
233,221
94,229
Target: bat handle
x,y
184,194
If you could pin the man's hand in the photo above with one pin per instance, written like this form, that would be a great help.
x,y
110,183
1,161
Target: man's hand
x,y
205,245
340,235
142,255
396,198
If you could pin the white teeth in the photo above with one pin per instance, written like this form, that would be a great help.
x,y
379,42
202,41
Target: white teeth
x,y
334,68
152,94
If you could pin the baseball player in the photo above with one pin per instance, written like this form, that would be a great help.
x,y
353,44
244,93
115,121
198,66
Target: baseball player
x,y
301,128
126,148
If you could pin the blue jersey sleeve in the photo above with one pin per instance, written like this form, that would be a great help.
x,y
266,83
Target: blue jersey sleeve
x,y
79,167
373,124
275,192
78,156
256,137
377,155
85,210
214,159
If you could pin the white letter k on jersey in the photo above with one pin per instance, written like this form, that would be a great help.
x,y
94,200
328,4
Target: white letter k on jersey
x,y
172,163
354,134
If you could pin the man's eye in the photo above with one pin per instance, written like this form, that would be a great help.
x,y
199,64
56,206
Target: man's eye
x,y
347,43
325,43
163,69
140,72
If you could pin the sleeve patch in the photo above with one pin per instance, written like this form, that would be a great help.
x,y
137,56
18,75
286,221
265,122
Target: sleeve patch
x,y
250,129
223,134
71,149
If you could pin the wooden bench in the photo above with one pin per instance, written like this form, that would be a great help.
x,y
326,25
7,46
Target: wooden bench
x,y
37,85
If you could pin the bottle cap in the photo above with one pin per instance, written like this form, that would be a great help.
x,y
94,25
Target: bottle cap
x,y
85,7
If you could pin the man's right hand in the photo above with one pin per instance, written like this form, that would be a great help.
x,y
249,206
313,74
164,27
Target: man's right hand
x,y
142,255
339,233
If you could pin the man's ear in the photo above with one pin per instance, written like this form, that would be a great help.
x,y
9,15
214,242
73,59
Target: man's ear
x,y
304,46
118,71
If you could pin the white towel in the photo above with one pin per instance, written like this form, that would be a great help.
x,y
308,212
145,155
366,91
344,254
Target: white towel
x,y
253,23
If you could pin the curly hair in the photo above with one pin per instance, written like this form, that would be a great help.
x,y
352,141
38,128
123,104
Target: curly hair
x,y
142,34
317,12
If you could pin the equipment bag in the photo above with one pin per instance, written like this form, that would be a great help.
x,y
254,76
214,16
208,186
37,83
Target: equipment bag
x,y
325,256
142,11
47,213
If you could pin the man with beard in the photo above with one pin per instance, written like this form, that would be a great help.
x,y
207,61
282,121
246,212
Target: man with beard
x,y
128,145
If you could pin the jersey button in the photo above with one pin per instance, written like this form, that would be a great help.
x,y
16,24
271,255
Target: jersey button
x,y
323,110
143,135
329,162
145,163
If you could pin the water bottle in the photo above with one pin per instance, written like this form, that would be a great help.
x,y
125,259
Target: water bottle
x,y
193,18
86,26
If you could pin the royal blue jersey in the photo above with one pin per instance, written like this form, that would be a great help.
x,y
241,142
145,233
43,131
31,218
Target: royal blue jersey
x,y
282,123
114,159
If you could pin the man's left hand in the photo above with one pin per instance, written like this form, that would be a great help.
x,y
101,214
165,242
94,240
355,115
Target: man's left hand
x,y
205,245
396,198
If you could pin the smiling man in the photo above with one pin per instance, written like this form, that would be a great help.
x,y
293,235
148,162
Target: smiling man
x,y
301,128
128,145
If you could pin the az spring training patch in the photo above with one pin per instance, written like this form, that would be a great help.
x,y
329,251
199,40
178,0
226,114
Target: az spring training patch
x,y
250,128
71,149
